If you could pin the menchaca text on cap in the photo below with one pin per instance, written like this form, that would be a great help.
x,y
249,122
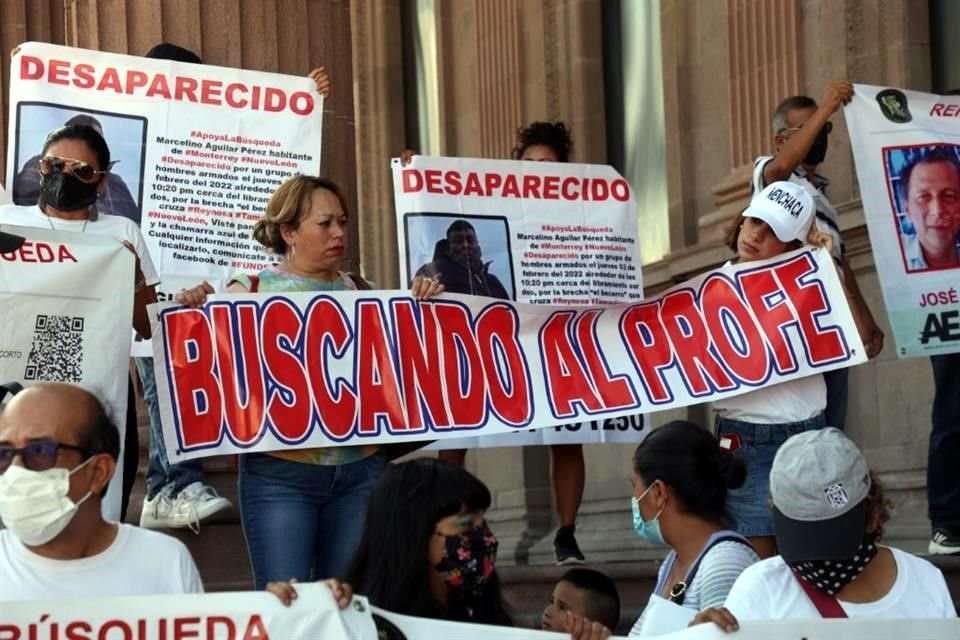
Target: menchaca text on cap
x,y
791,204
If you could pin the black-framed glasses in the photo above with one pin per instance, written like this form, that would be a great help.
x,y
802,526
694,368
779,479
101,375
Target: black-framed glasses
x,y
37,456
78,168
827,128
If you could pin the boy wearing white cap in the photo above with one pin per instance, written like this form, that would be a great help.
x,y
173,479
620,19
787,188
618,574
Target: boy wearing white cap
x,y
828,516
754,425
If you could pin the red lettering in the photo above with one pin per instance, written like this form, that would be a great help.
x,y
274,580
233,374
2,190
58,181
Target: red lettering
x,y
493,181
327,329
768,302
31,68
531,186
230,95
452,180
600,190
649,347
198,406
185,89
462,366
63,254
255,98
120,625
569,188
823,345
135,80
951,110
9,632
498,329
159,87
210,91
227,628
186,628
83,76
551,187
26,252
58,72
691,343
474,188
412,180
937,108
620,189
301,103
433,177
289,407
725,313
44,252
241,377
377,385
255,629
511,186
110,80
75,629
615,391
274,100
567,380
420,364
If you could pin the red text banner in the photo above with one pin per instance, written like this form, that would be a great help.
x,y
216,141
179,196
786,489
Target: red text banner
x,y
260,372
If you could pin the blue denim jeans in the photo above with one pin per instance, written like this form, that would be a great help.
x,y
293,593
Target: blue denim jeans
x,y
837,382
303,520
749,506
160,472
943,464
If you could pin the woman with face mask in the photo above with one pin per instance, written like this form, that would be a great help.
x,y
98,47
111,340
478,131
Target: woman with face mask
x,y
680,480
426,549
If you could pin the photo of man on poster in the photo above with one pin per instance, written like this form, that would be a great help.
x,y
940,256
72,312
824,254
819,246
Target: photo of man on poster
x,y
458,263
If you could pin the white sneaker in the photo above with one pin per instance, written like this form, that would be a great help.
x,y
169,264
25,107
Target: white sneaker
x,y
195,503
155,513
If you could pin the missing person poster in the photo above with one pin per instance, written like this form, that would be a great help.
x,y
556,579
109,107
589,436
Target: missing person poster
x,y
533,232
906,146
195,150
66,307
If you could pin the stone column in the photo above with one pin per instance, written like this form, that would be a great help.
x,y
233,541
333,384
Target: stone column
x,y
764,54
379,112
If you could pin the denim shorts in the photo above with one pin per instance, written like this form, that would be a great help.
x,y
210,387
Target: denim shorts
x,y
749,506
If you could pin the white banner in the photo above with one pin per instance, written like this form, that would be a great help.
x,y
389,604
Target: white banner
x,y
314,616
267,371
199,149
66,307
907,150
534,232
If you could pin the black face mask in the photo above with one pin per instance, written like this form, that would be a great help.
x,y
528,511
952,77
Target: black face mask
x,y
831,576
819,149
64,192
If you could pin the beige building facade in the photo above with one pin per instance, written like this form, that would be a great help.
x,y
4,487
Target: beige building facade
x,y
677,94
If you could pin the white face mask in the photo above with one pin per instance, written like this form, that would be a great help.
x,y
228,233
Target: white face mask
x,y
34,505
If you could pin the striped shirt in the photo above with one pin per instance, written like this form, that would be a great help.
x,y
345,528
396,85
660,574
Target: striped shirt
x,y
719,569
276,279
827,218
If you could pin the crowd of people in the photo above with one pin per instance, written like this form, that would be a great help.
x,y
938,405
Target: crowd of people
x,y
772,515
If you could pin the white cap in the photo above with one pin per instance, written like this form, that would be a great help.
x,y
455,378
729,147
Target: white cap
x,y
786,207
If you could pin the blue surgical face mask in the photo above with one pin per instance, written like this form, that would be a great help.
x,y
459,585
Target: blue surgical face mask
x,y
648,530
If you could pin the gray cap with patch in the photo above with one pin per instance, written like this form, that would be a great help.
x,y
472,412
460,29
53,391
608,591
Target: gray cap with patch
x,y
819,484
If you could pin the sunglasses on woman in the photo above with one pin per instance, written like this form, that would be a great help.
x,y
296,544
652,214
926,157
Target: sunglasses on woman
x,y
37,456
77,168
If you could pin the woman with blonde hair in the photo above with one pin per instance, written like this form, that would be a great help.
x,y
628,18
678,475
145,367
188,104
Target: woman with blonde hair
x,y
303,510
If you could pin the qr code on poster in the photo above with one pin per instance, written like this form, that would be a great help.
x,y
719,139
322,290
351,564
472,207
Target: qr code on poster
x,y
56,354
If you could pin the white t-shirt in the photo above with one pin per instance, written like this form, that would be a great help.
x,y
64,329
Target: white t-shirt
x,y
138,563
827,219
790,401
105,225
769,590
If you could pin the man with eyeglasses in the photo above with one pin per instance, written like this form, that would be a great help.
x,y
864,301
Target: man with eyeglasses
x,y
58,451
800,132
